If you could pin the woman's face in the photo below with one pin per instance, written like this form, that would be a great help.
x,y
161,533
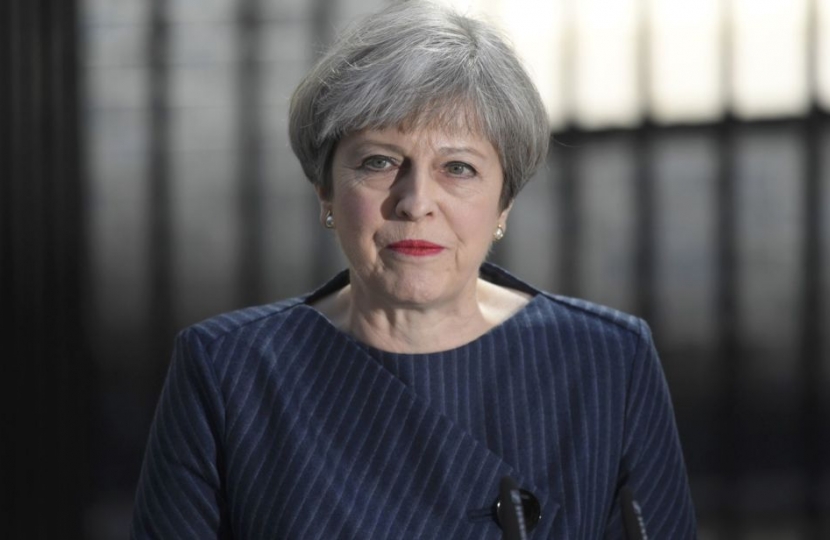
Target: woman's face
x,y
415,213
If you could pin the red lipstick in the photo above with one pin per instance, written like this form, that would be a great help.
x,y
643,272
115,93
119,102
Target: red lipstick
x,y
417,248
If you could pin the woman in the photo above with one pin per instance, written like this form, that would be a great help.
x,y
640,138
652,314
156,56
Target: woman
x,y
394,401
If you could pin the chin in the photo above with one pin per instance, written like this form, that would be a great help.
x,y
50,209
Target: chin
x,y
412,285
416,290
413,296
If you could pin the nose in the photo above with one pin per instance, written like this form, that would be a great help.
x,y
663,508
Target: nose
x,y
414,192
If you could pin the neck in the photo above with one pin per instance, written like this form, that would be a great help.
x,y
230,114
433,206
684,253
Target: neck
x,y
421,329
416,330
412,328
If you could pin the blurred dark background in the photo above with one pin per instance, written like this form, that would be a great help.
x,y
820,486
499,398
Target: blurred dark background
x,y
146,183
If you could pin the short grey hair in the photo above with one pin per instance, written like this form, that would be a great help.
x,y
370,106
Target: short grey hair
x,y
417,64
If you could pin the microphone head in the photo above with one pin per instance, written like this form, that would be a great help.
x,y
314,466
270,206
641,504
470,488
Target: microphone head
x,y
635,527
510,510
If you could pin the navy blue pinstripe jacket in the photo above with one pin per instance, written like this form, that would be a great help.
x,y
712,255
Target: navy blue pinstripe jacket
x,y
274,424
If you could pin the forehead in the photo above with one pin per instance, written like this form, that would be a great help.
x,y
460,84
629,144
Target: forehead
x,y
455,116
423,140
439,120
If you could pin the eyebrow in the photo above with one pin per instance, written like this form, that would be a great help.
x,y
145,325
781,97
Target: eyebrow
x,y
364,144
444,150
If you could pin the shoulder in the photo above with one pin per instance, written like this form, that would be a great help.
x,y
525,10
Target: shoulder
x,y
245,332
571,316
241,320
603,317
586,331
250,321
240,350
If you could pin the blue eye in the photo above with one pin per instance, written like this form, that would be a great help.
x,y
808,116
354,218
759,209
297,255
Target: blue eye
x,y
377,163
459,168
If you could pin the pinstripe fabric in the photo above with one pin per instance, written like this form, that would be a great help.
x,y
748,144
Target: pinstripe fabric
x,y
274,424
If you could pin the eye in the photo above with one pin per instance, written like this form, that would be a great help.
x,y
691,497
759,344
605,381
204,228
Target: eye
x,y
377,163
459,168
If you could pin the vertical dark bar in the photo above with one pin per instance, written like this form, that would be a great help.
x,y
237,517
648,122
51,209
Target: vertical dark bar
x,y
645,211
814,424
813,418
74,373
566,207
250,152
727,417
159,181
9,168
645,208
45,366
16,288
10,144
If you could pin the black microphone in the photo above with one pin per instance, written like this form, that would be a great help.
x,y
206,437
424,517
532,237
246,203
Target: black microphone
x,y
633,524
510,511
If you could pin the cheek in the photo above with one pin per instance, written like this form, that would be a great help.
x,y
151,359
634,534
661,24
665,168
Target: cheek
x,y
359,215
482,212
474,225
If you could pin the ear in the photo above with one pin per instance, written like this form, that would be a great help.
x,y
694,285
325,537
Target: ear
x,y
325,205
504,213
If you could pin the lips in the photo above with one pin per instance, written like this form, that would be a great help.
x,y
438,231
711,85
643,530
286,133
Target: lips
x,y
417,248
